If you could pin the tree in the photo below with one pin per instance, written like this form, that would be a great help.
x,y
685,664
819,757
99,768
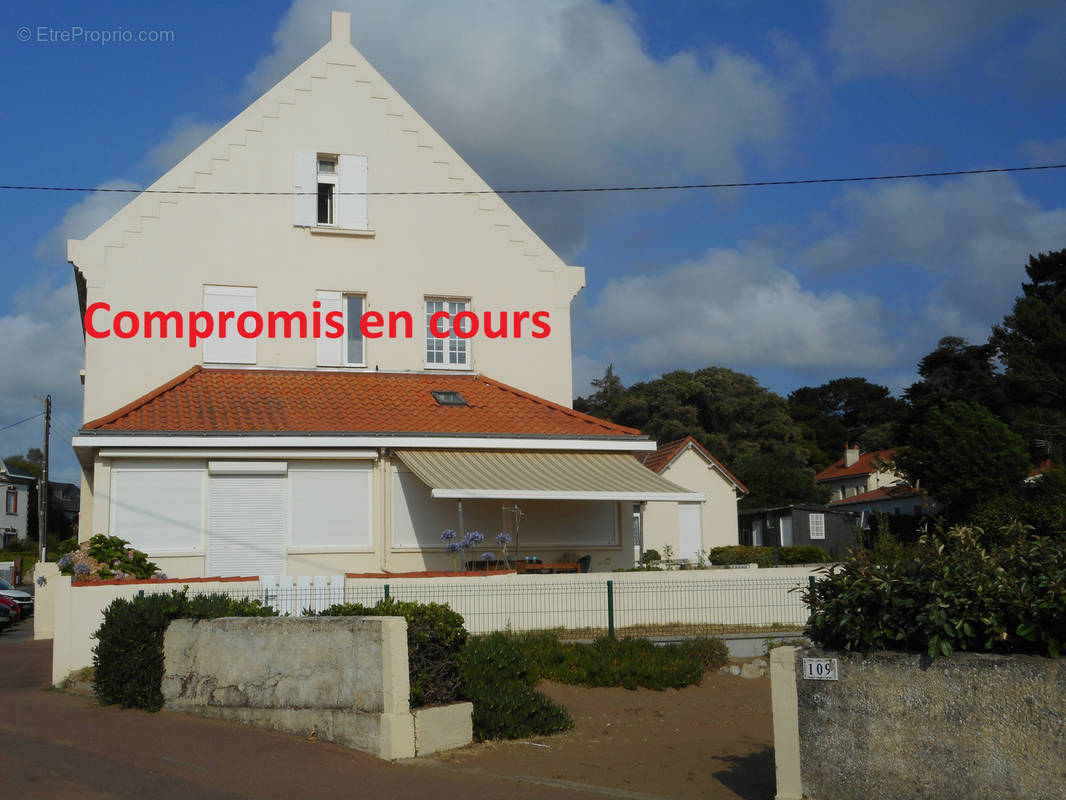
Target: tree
x,y
1031,342
845,410
609,390
957,372
778,479
963,456
32,463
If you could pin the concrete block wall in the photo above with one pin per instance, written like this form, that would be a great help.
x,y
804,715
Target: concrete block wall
x,y
897,725
345,679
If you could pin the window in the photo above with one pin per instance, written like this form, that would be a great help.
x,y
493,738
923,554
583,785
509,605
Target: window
x,y
451,352
350,349
445,398
329,191
11,502
233,348
816,523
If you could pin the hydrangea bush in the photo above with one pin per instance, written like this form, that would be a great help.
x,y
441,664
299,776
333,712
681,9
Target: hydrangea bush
x,y
107,558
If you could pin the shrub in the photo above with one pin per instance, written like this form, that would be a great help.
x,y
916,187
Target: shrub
x,y
951,594
764,556
499,677
650,556
436,637
105,558
128,657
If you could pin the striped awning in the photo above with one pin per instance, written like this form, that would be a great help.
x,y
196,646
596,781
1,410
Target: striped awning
x,y
536,475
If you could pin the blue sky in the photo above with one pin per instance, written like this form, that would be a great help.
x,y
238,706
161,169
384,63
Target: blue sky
x,y
795,285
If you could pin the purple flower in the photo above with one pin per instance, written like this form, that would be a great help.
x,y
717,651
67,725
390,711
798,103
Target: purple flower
x,y
447,535
503,539
41,581
81,568
488,557
454,547
473,538
65,561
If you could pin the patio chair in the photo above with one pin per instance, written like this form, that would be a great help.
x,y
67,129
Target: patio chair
x,y
584,563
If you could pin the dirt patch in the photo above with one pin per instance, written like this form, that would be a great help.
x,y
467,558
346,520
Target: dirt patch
x,y
713,740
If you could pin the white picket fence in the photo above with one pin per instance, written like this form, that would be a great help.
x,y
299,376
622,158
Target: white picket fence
x,y
302,594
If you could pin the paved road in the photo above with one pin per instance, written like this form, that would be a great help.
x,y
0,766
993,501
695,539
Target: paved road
x,y
54,745
21,631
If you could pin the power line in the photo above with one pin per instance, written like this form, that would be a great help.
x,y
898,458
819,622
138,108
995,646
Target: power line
x,y
13,424
562,190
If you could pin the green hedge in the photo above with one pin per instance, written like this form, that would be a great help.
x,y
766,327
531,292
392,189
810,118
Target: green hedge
x,y
128,657
436,636
950,593
764,556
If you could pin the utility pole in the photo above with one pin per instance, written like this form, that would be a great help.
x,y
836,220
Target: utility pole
x,y
42,494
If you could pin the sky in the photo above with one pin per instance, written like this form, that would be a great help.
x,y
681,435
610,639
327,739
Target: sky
x,y
795,285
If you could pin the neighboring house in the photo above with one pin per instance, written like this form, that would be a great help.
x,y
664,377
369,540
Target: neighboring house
x,y
64,502
290,454
17,491
691,528
858,473
832,530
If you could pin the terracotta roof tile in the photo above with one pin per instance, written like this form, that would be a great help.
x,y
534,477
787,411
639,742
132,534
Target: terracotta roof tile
x,y
867,464
884,493
306,401
658,460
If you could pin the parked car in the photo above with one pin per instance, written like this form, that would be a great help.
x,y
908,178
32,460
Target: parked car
x,y
24,599
10,613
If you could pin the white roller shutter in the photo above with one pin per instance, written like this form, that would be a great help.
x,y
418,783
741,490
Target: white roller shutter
x,y
330,351
233,348
331,505
351,183
158,510
246,525
305,188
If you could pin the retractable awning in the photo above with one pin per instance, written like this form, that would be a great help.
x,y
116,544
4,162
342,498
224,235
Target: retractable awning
x,y
534,475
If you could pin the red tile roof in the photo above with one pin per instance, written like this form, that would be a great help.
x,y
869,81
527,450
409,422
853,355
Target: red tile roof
x,y
661,458
307,401
867,464
884,493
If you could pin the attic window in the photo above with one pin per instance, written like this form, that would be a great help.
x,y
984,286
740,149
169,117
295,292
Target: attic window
x,y
449,398
327,165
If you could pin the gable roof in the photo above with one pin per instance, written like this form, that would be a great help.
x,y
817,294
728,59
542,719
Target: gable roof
x,y
867,464
305,401
884,493
665,455
16,475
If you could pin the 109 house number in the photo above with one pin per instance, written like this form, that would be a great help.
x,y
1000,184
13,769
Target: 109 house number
x,y
820,669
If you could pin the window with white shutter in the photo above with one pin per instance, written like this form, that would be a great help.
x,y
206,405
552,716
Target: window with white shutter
x,y
329,191
231,348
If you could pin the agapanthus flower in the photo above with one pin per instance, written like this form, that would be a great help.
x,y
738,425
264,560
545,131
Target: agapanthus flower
x,y
503,538
454,547
488,557
447,535
473,538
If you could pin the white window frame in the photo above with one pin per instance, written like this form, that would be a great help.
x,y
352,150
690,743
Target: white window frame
x,y
816,531
452,345
330,178
11,500
349,181
349,323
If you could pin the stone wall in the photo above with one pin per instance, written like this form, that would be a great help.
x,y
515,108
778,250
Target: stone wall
x,y
340,679
897,725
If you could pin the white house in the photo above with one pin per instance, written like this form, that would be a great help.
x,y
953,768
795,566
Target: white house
x,y
15,490
281,448
689,529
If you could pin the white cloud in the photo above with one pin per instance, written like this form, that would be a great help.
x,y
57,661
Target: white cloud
x,y
733,307
1052,151
971,236
42,354
914,37
184,136
83,218
561,93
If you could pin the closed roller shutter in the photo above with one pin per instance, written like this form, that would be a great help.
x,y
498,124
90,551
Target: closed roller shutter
x,y
246,525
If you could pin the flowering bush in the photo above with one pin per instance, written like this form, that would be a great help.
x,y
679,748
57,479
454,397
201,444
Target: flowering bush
x,y
107,558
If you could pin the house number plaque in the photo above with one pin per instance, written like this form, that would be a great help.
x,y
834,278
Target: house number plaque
x,y
820,669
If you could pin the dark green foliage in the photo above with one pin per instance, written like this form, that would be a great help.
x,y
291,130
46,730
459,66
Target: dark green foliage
x,y
709,652
650,556
1032,346
957,372
128,657
778,478
109,549
436,636
764,556
64,547
962,454
500,677
842,411
952,593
